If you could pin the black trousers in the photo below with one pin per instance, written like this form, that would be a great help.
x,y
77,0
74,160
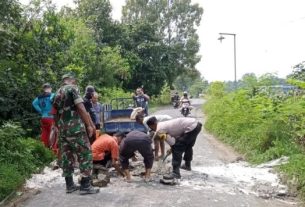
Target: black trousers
x,y
184,145
103,162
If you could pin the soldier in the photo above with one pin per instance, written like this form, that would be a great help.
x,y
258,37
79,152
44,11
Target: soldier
x,y
70,117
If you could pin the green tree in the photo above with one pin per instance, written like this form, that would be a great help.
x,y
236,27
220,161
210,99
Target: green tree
x,y
216,89
269,79
249,82
298,72
175,26
199,86
97,15
143,49
36,56
10,13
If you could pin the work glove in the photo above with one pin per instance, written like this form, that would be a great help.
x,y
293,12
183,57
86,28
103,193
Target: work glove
x,y
162,136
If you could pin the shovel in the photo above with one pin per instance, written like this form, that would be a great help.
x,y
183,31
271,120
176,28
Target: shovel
x,y
167,154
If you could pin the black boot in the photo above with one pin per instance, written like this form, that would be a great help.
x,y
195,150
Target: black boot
x,y
186,166
86,187
173,178
174,175
70,186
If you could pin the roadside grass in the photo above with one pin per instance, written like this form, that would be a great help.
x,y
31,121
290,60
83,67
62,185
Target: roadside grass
x,y
10,179
19,158
262,128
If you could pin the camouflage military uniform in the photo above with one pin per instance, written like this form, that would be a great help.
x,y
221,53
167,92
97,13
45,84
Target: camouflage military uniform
x,y
73,139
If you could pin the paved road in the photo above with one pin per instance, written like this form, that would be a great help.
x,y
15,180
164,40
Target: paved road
x,y
227,184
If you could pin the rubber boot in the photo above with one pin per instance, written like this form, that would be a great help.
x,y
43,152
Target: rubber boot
x,y
186,166
86,187
70,186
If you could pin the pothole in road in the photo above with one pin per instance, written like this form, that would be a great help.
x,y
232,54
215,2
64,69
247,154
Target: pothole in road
x,y
235,178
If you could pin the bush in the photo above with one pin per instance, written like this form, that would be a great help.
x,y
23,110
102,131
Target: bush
x,y
106,94
19,157
294,173
10,179
164,97
260,126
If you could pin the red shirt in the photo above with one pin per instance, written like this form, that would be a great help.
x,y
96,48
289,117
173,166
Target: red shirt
x,y
103,144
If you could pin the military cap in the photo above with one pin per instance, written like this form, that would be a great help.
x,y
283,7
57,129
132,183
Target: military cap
x,y
68,75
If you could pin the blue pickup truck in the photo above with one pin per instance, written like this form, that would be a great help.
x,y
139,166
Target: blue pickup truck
x,y
117,117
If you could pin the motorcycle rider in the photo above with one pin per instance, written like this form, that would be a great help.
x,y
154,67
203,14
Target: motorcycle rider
x,y
175,100
185,101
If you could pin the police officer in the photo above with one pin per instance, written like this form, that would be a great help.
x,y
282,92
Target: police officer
x,y
73,120
181,135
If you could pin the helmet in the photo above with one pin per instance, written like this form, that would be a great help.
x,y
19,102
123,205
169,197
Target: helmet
x,y
185,93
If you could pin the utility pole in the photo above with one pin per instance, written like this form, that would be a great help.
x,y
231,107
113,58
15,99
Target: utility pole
x,y
220,39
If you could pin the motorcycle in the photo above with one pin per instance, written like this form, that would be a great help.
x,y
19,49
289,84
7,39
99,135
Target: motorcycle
x,y
175,104
185,110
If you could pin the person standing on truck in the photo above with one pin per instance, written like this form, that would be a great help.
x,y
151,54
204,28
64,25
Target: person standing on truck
x,y
72,121
141,100
136,141
89,108
43,105
181,135
98,110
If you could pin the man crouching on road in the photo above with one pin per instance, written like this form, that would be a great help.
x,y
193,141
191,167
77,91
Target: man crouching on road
x,y
180,134
70,117
136,141
105,149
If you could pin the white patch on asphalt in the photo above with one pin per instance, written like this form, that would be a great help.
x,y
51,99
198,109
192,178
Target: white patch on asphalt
x,y
233,178
47,178
240,173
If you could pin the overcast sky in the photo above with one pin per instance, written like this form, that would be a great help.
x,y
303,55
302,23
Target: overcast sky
x,y
270,36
